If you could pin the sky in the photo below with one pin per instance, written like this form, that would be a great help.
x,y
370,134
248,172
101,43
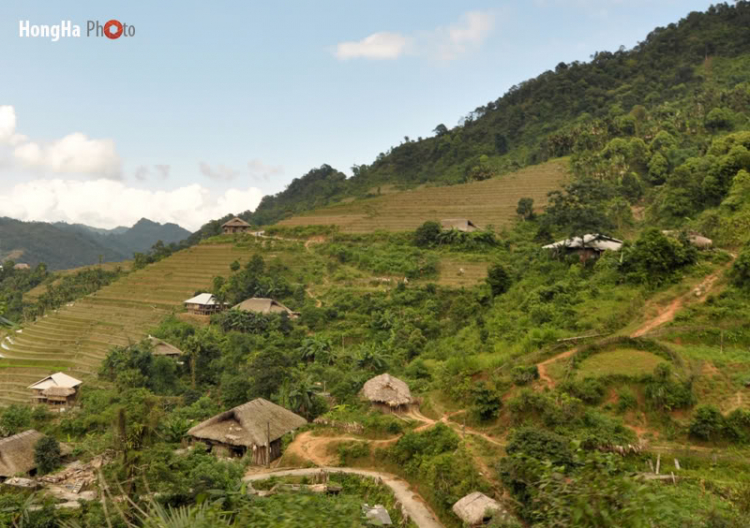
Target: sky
x,y
208,106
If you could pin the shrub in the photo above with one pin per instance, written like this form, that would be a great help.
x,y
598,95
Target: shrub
x,y
589,390
427,234
487,402
741,269
498,279
626,400
47,455
15,419
707,423
523,375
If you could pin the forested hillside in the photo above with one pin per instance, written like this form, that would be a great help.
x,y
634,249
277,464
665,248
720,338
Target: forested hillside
x,y
686,79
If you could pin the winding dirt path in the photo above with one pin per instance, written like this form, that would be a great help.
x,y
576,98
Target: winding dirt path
x,y
663,316
542,367
414,506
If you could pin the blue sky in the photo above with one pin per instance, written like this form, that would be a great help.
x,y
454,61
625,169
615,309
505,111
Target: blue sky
x,y
213,104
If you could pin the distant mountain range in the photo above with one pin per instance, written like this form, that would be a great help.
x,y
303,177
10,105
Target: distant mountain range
x,y
63,246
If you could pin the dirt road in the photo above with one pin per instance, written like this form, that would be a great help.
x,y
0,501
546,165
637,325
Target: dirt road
x,y
414,506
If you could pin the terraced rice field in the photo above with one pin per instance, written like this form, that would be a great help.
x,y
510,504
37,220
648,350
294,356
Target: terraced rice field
x,y
488,202
34,293
76,337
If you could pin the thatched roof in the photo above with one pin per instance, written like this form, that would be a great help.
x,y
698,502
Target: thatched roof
x,y
21,266
203,299
236,222
695,239
162,348
263,305
59,392
17,453
58,379
462,224
248,424
596,242
473,508
387,389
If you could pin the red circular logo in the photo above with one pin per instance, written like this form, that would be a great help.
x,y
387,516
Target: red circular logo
x,y
113,29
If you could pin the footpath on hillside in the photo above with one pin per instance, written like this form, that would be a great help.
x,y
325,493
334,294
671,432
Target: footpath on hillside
x,y
662,317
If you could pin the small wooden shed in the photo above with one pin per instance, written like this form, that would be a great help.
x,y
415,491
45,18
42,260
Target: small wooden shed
x,y
255,428
235,225
387,393
266,306
204,304
461,224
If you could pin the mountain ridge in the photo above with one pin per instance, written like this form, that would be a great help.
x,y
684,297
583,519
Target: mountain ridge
x,y
60,245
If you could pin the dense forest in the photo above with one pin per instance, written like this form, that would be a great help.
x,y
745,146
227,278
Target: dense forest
x,y
686,79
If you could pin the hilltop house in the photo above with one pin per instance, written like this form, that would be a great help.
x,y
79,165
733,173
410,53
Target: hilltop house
x,y
256,426
22,267
57,390
162,348
461,224
592,245
266,306
235,225
476,508
387,392
204,304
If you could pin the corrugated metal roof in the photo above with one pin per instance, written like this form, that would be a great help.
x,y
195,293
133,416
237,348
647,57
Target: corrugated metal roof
x,y
592,241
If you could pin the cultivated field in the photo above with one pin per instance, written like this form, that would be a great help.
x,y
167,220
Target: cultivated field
x,y
490,202
76,337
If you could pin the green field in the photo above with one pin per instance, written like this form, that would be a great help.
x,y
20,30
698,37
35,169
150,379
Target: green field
x,y
489,202
620,362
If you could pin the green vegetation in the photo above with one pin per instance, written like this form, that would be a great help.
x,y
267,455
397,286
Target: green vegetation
x,y
524,363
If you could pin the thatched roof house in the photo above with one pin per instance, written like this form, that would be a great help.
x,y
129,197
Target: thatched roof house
x,y
57,390
264,306
252,427
162,348
21,266
462,224
387,391
204,304
58,379
695,239
476,508
235,225
17,453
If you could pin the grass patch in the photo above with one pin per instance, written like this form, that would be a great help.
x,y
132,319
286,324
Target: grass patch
x,y
619,362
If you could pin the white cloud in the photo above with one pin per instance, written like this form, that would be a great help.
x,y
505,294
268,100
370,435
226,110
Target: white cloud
x,y
380,46
443,43
8,126
261,171
108,203
74,153
220,173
